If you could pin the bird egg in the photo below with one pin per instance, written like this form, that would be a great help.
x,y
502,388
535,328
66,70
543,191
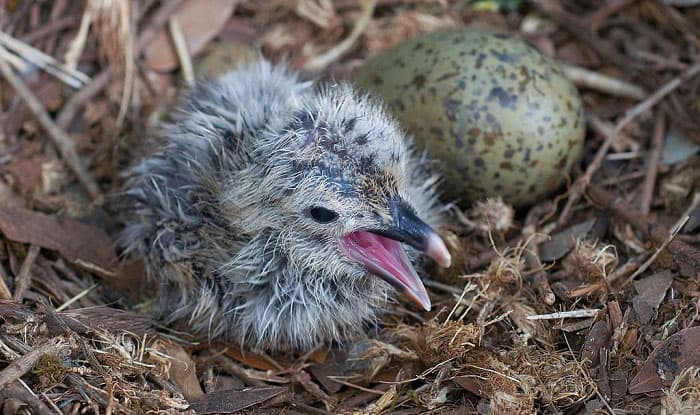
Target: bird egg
x,y
497,115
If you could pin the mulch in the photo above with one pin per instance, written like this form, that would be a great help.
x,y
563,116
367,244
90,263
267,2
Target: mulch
x,y
586,302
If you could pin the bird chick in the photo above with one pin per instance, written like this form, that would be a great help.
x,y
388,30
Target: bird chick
x,y
275,210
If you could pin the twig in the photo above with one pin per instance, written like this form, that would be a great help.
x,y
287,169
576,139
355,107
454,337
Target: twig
x,y
596,81
49,28
51,403
540,281
76,298
16,391
686,257
578,28
237,370
71,107
337,379
129,65
323,60
100,81
565,314
5,293
661,247
69,76
20,366
654,159
158,20
625,270
181,49
621,141
532,259
623,178
580,185
596,18
63,142
24,278
657,96
77,45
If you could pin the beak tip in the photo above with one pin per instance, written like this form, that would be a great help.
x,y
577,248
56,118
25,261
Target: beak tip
x,y
438,251
424,301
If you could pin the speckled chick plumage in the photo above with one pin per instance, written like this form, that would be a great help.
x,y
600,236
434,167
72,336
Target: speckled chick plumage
x,y
220,212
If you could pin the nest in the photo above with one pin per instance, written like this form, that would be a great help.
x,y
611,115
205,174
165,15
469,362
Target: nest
x,y
548,309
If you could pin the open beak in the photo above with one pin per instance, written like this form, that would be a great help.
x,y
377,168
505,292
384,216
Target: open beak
x,y
380,251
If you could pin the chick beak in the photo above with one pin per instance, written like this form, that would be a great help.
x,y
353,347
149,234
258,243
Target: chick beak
x,y
380,251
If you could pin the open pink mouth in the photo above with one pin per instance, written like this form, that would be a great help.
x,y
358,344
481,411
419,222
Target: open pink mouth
x,y
387,259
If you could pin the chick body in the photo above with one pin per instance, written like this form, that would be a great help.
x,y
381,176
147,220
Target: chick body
x,y
223,213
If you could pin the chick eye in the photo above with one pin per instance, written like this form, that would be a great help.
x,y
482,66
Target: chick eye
x,y
322,215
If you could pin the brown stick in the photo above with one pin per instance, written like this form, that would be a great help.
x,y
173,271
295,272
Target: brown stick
x,y
579,186
578,28
19,392
5,293
597,18
58,136
532,259
71,107
655,157
24,278
20,366
686,257
100,81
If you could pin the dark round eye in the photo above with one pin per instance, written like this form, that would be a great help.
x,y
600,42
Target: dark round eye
x,y
322,215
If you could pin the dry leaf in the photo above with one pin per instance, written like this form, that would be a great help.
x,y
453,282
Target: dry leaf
x,y
229,401
650,293
182,369
561,243
78,242
667,361
201,21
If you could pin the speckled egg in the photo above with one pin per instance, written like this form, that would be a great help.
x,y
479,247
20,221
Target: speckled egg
x,y
498,115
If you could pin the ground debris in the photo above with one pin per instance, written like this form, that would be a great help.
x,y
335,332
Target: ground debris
x,y
617,246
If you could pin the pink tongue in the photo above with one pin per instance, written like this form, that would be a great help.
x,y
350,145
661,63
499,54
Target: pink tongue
x,y
387,259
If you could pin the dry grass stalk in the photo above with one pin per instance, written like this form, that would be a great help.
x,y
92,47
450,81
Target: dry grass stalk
x,y
322,60
112,20
436,343
557,380
66,74
507,268
60,138
684,395
504,403
319,12
589,261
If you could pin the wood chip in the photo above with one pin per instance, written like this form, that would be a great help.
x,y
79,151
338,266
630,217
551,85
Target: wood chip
x,y
668,359
230,401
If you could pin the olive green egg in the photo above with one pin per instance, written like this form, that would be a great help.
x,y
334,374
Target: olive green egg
x,y
497,115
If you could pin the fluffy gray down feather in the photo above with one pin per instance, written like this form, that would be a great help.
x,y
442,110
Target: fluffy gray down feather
x,y
220,213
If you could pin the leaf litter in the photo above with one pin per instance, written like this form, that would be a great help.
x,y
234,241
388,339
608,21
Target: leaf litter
x,y
81,345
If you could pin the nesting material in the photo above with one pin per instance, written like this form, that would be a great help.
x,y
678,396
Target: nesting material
x,y
684,395
435,342
590,260
490,215
557,379
503,403
507,268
